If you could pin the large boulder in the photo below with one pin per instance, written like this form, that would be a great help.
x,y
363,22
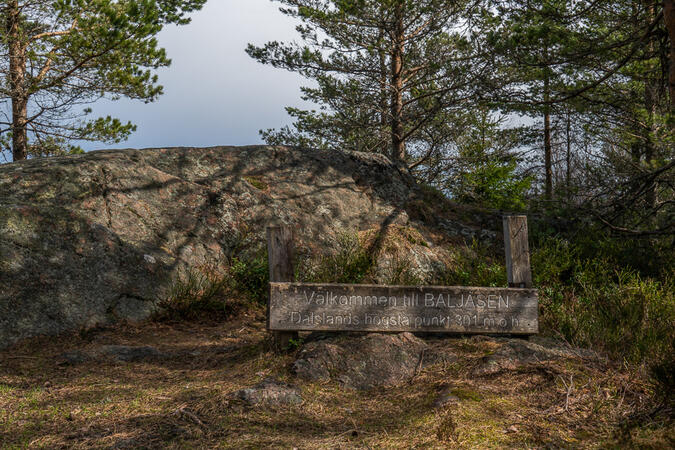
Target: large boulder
x,y
90,239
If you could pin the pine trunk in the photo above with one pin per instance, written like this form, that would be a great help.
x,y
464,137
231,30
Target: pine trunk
x,y
384,103
17,76
548,169
669,18
653,87
568,158
398,143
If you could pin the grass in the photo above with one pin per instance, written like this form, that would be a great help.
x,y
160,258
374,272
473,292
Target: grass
x,y
257,182
103,404
205,290
590,295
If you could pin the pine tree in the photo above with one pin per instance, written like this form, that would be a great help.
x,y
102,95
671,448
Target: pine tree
x,y
61,54
385,72
535,44
485,170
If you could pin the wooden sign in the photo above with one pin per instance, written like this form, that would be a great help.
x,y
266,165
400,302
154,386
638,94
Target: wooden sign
x,y
297,307
358,307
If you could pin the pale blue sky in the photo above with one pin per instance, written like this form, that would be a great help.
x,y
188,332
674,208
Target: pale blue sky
x,y
214,93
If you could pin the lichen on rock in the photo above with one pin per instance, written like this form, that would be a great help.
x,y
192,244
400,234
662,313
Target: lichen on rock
x,y
92,239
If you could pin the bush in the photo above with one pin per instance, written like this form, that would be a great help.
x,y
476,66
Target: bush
x,y
250,277
205,290
474,266
592,299
194,293
402,272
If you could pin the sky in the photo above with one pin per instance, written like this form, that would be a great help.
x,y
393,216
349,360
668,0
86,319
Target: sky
x,y
214,93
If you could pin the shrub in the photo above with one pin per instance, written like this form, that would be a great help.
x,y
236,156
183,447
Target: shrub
x,y
592,299
250,277
474,266
205,290
194,293
401,271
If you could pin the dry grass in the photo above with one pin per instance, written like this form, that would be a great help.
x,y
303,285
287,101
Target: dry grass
x,y
183,401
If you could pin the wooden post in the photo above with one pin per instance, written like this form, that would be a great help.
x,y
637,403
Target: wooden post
x,y
517,252
280,259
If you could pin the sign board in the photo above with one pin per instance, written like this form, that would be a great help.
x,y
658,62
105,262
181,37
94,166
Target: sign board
x,y
297,307
358,307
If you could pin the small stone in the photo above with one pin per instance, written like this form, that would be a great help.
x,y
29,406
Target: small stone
x,y
512,429
270,391
446,397
517,353
126,443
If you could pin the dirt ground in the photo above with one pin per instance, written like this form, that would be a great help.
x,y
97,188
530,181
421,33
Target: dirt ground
x,y
184,401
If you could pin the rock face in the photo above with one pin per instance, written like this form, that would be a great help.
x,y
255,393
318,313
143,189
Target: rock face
x,y
91,239
361,362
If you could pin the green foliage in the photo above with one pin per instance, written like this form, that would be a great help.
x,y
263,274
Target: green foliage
x,y
70,53
294,344
592,299
493,185
347,49
401,271
663,374
250,277
485,173
474,266
205,290
257,183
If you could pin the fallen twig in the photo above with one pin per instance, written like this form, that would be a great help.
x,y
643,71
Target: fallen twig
x,y
569,387
418,368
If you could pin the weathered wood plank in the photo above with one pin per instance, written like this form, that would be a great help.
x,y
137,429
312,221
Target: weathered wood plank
x,y
354,307
280,260
517,252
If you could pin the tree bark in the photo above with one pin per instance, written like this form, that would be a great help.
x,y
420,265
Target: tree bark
x,y
568,158
548,169
653,87
17,76
669,18
398,143
384,103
